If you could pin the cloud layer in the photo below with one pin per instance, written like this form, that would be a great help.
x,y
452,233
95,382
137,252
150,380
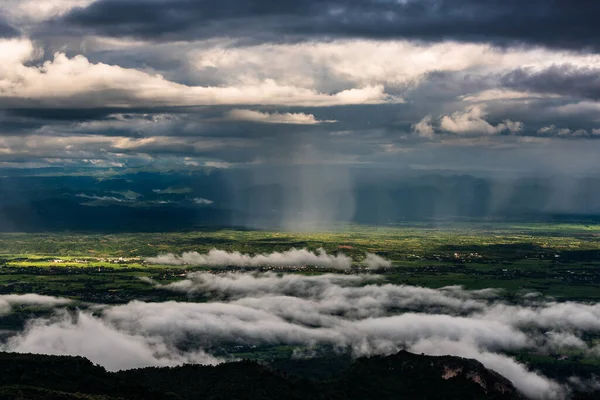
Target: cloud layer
x,y
349,312
7,301
274,118
290,258
564,25
70,82
150,92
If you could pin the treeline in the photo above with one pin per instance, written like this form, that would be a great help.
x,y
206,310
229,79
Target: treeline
x,y
404,375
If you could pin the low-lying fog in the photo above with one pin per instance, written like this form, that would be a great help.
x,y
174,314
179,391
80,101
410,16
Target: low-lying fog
x,y
356,313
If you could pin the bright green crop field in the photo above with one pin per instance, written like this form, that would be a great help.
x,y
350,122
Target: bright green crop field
x,y
561,260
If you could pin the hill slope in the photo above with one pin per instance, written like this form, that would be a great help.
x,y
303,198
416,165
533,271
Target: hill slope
x,y
403,375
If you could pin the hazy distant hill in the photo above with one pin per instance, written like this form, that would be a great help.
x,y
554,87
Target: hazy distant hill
x,y
176,201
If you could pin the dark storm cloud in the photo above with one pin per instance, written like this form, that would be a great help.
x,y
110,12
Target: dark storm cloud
x,y
431,80
558,23
67,114
6,30
152,18
566,80
49,114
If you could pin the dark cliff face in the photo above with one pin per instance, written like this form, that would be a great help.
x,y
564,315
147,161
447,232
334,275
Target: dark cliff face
x,y
403,375
421,376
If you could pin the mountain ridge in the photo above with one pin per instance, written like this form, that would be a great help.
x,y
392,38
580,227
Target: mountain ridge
x,y
402,375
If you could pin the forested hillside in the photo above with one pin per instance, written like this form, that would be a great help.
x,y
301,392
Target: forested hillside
x,y
404,375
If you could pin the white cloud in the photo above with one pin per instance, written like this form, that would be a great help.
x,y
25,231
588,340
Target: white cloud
x,y
568,315
424,128
69,82
552,130
369,300
503,94
293,257
39,10
396,63
514,126
563,340
217,164
472,121
373,261
287,258
274,118
8,300
547,129
202,201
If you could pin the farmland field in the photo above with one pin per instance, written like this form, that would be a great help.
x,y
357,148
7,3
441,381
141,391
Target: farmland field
x,y
559,263
558,260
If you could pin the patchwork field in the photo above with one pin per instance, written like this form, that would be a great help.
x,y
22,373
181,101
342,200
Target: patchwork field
x,y
557,260
495,268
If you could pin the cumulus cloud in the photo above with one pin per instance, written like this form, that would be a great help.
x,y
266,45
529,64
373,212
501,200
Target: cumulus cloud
x,y
53,66
274,118
514,126
472,121
69,82
161,77
424,128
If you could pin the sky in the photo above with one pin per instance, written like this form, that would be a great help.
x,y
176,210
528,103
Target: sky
x,y
468,85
